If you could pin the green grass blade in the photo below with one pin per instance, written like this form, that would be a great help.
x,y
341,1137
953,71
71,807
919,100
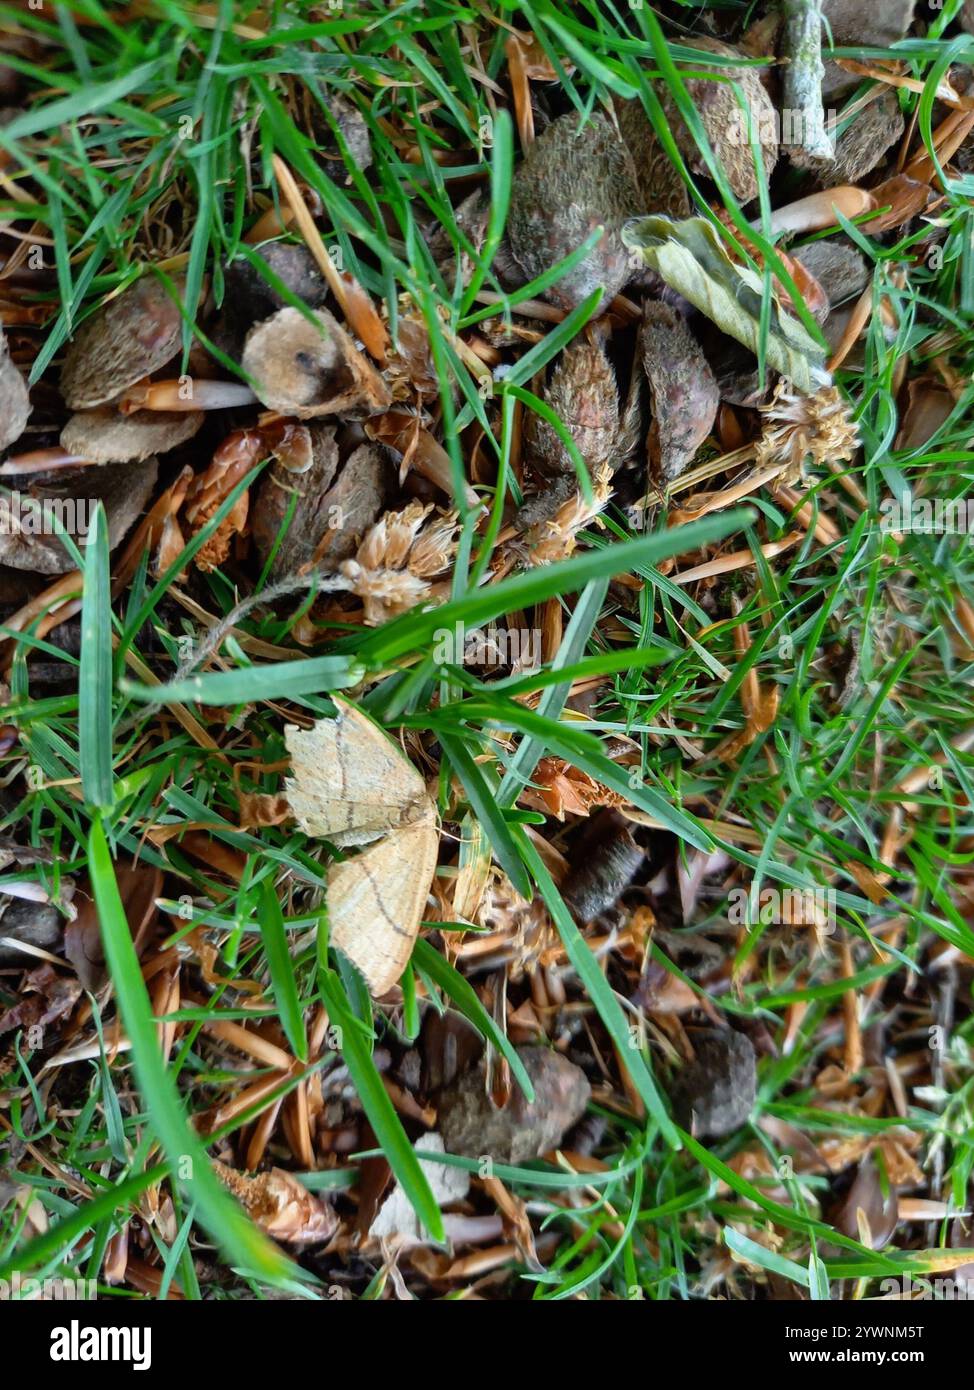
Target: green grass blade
x,y
243,1244
95,678
379,1108
453,984
281,967
489,813
404,635
244,686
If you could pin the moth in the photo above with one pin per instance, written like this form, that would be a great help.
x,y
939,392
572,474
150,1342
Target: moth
x,y
352,785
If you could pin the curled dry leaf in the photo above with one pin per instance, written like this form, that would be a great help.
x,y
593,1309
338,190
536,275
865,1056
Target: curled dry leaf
x,y
929,405
139,886
868,1212
105,436
691,258
308,366
557,788
352,786
14,400
27,543
727,122
278,1203
130,337
682,387
46,997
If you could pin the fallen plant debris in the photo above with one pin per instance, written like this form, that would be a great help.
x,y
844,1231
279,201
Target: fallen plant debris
x,y
487,622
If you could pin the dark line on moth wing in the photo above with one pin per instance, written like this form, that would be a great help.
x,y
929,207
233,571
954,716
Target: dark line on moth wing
x,y
343,772
385,911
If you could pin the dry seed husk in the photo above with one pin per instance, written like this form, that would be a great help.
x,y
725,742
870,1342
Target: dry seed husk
x,y
310,367
105,436
15,404
33,924
726,123
124,488
280,1205
661,187
14,400
522,1130
125,340
341,511
249,297
853,24
569,183
839,268
714,1094
683,389
583,393
863,144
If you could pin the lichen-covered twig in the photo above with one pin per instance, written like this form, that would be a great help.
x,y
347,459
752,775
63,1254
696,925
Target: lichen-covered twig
x,y
804,133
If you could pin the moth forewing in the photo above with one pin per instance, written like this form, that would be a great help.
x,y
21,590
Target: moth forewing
x,y
351,783
376,899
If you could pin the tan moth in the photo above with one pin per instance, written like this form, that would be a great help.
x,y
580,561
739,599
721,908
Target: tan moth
x,y
353,786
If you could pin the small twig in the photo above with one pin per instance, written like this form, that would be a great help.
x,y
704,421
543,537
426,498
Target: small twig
x,y
806,135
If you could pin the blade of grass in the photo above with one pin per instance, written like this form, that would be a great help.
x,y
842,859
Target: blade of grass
x,y
95,677
281,967
218,1212
453,984
379,1108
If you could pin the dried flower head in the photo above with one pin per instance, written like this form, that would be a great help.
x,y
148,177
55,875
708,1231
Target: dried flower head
x,y
554,539
397,560
798,427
